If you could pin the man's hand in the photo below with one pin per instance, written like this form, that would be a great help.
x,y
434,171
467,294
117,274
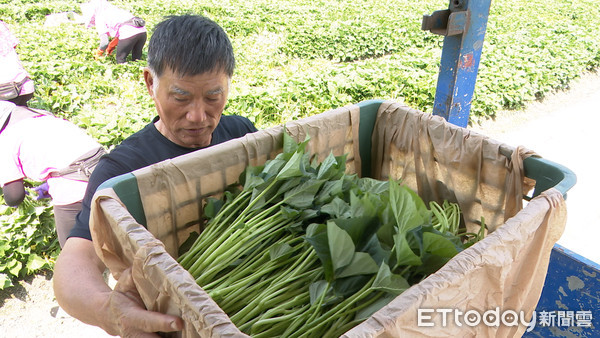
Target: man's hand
x,y
129,315
81,291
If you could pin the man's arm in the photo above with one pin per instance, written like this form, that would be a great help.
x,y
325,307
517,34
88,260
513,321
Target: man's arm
x,y
81,291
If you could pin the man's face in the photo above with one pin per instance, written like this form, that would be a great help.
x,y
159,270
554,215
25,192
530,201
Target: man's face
x,y
189,107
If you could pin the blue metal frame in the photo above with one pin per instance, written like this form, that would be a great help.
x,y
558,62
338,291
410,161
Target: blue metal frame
x,y
463,24
569,300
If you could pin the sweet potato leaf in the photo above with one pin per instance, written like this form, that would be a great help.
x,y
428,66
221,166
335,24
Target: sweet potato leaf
x,y
404,254
407,207
362,264
438,245
341,246
359,228
303,195
329,191
316,236
337,208
389,282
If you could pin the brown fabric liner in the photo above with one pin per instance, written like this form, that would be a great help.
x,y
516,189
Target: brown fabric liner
x,y
440,161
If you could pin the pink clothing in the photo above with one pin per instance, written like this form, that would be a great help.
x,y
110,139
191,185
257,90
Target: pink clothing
x,y
36,146
110,19
11,69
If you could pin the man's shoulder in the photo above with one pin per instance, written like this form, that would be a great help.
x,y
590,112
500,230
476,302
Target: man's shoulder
x,y
236,120
230,127
134,148
237,125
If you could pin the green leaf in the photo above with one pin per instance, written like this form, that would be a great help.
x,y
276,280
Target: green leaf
x,y
212,207
360,229
316,236
345,287
273,167
373,247
292,167
438,245
280,250
35,263
365,206
362,264
289,213
15,268
5,281
337,208
303,195
289,184
317,290
404,254
373,186
188,243
329,168
341,246
289,144
388,282
329,191
408,208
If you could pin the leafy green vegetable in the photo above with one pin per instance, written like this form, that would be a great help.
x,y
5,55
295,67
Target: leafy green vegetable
x,y
300,250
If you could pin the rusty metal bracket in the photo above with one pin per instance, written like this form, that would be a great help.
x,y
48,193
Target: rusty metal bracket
x,y
446,22
463,26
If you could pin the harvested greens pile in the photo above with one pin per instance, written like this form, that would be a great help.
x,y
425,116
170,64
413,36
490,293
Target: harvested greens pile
x,y
308,250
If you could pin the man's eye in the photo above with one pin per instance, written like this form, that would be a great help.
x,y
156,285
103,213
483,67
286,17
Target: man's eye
x,y
180,99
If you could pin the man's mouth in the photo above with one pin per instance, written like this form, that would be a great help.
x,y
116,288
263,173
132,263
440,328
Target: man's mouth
x,y
194,131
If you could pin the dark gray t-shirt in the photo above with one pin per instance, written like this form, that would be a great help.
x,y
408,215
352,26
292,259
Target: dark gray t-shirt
x,y
144,148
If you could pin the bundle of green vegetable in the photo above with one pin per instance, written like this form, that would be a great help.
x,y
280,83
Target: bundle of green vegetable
x,y
306,250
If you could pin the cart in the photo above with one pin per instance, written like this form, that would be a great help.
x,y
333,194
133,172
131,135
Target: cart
x,y
572,288
127,241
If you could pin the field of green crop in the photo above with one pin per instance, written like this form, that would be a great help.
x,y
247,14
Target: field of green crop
x,y
294,59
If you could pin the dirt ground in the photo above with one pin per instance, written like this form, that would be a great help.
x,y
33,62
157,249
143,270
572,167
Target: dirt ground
x,y
563,128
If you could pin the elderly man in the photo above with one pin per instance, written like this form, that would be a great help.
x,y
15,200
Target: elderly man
x,y
190,64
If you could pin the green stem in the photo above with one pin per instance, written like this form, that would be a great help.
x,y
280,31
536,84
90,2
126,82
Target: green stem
x,y
234,251
213,229
335,312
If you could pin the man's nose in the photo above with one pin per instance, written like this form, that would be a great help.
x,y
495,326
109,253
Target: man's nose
x,y
196,113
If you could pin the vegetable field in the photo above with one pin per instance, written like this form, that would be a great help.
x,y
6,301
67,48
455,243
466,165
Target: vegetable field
x,y
294,59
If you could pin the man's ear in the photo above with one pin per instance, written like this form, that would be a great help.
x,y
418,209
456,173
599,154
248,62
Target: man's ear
x,y
149,79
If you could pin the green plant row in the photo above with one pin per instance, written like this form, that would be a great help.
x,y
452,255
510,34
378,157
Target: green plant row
x,y
28,241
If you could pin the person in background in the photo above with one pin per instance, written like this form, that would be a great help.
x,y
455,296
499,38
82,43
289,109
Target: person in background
x,y
36,145
15,84
190,65
117,28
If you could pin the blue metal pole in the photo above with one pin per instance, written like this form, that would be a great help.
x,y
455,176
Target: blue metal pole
x,y
464,25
